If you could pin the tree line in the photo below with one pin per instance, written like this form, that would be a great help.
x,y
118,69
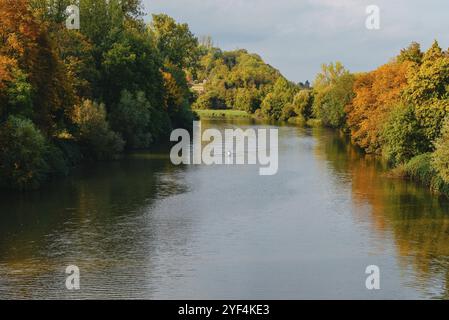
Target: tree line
x,y
118,84
400,110
241,80
68,96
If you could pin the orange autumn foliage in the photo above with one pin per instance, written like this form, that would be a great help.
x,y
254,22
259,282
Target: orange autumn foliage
x,y
6,66
19,30
25,45
376,93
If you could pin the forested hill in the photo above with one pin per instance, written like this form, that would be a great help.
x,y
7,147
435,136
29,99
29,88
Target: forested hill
x,y
237,80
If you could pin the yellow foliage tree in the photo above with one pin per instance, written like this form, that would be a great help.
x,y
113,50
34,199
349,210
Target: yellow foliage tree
x,y
376,93
428,90
25,45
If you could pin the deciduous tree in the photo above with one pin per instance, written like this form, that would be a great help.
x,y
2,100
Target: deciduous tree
x,y
376,93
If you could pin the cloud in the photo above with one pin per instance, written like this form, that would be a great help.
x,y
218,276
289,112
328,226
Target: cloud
x,y
297,36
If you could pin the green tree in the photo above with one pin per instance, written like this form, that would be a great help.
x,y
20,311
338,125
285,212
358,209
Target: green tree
x,y
333,89
247,99
440,158
412,53
240,79
177,97
94,134
131,118
52,11
19,94
282,95
402,135
176,43
22,154
288,112
303,103
132,63
210,100
428,86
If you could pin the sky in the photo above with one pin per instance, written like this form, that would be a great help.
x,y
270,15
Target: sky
x,y
298,36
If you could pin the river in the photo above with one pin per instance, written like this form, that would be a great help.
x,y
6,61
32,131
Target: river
x,y
143,228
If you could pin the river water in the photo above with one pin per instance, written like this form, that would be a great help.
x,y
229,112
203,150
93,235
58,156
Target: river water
x,y
143,228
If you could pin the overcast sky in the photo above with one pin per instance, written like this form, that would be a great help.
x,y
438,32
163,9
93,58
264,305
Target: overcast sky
x,y
297,36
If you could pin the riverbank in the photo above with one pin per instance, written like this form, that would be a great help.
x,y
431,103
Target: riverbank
x,y
239,114
146,216
420,170
223,114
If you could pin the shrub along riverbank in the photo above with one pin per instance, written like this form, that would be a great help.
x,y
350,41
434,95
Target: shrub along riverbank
x,y
223,114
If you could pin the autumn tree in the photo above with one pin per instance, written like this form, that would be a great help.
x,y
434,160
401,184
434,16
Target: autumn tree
x,y
26,46
177,97
8,66
376,93
53,12
77,93
412,53
175,42
428,90
76,52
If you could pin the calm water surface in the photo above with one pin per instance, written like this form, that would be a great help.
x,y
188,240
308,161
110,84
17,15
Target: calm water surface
x,y
142,228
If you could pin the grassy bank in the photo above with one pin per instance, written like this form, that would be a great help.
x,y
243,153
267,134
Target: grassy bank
x,y
223,114
420,170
